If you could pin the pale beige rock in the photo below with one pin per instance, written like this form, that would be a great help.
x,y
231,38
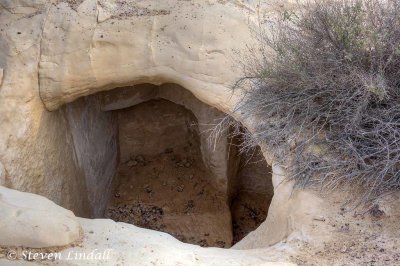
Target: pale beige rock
x,y
197,51
34,143
290,213
94,139
131,245
1,75
22,7
76,45
63,52
32,221
2,175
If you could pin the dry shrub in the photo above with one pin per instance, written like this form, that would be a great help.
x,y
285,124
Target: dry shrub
x,y
325,91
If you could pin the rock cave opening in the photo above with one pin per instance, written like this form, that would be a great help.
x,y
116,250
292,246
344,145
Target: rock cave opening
x,y
167,176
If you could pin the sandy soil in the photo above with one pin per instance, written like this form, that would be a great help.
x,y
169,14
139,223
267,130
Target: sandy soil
x,y
173,193
365,236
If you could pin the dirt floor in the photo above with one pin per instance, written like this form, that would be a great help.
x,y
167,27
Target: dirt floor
x,y
173,193
248,210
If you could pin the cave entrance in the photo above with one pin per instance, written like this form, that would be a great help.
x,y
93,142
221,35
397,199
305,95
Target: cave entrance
x,y
169,178
162,182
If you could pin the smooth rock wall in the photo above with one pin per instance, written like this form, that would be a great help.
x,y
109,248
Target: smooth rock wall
x,y
95,141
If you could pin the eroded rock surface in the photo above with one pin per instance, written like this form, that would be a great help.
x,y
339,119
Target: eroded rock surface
x,y
103,45
32,221
53,52
2,175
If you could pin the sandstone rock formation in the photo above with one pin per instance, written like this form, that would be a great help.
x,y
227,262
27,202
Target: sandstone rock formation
x,y
2,175
33,221
56,143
